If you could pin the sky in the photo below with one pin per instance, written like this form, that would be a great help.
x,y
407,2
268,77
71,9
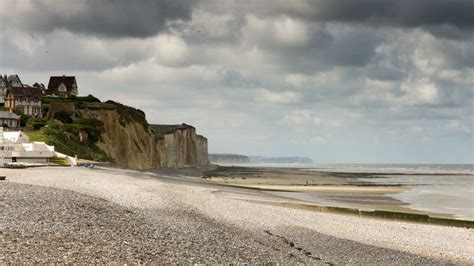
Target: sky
x,y
339,81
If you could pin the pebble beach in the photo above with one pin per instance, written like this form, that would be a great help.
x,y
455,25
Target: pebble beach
x,y
74,215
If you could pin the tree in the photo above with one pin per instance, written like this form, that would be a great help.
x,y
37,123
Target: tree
x,y
22,117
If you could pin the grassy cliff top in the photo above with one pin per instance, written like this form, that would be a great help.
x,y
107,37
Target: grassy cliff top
x,y
127,114
160,130
65,138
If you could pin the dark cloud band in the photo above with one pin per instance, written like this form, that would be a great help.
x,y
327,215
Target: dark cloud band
x,y
112,18
408,13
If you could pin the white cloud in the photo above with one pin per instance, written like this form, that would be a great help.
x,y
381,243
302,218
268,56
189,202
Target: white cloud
x,y
158,76
297,118
290,31
331,77
415,92
284,97
170,50
420,92
375,91
281,31
304,117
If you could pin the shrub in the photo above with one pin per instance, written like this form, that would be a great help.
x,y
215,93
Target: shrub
x,y
89,99
92,126
45,110
36,123
63,116
23,118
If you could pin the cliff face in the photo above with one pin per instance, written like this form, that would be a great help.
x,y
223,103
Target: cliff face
x,y
181,147
202,152
127,138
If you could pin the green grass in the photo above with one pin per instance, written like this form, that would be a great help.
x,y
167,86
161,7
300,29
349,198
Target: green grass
x,y
160,130
129,114
65,139
38,136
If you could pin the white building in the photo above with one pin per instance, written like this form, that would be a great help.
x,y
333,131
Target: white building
x,y
15,147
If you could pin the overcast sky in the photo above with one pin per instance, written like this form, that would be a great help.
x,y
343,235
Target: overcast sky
x,y
368,81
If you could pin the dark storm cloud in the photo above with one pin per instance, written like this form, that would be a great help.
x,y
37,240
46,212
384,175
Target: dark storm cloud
x,y
451,19
409,13
326,50
113,18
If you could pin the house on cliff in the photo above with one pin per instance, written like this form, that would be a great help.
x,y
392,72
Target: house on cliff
x,y
62,86
8,82
3,89
27,99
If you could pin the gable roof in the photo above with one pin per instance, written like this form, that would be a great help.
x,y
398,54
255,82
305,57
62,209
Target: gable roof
x,y
8,80
25,91
14,77
7,115
55,81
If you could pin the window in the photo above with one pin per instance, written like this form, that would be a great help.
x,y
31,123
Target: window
x,y
62,88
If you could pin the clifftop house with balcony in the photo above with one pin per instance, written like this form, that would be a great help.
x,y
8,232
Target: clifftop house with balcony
x,y
62,86
25,98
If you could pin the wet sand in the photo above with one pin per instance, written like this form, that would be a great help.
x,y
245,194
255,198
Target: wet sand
x,y
340,190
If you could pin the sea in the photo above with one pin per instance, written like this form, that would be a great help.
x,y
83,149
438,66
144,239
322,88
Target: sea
x,y
439,188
